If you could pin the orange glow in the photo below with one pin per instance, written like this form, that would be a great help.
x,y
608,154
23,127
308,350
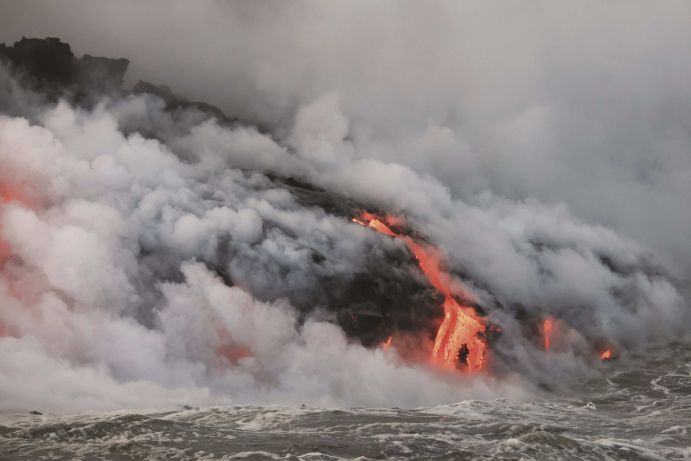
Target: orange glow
x,y
547,326
459,338
7,195
11,193
387,344
606,354
233,353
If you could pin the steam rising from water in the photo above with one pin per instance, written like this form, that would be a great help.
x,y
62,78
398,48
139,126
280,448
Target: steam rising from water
x,y
155,270
106,302
583,103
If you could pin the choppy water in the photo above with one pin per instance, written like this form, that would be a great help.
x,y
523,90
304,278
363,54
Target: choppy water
x,y
641,410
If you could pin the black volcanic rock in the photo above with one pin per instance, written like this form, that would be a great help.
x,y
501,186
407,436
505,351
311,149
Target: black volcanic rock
x,y
97,71
175,102
47,60
49,66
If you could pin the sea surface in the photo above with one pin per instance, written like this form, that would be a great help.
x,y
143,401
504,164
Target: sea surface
x,y
640,410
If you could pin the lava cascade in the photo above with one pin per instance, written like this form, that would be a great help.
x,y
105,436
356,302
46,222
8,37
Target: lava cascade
x,y
460,337
606,354
7,194
547,328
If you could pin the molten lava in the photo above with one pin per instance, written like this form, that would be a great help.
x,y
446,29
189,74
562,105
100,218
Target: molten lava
x,y
460,338
547,327
7,195
606,354
387,344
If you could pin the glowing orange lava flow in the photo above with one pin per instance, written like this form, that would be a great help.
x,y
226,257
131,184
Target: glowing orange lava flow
x,y
8,194
459,340
547,326
606,354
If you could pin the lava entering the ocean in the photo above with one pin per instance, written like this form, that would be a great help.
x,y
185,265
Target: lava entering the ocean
x,y
459,341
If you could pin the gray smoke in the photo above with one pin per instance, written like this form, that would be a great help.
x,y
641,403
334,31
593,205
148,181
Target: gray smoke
x,y
585,104
543,149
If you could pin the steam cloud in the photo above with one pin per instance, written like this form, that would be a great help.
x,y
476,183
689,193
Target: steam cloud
x,y
156,260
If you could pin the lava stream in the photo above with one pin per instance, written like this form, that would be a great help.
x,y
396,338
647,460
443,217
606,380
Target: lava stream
x,y
547,326
7,195
459,340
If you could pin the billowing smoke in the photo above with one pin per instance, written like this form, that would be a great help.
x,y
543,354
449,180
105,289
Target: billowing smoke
x,y
153,254
583,103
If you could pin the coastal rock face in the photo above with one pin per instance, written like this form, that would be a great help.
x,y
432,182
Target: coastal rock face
x,y
49,65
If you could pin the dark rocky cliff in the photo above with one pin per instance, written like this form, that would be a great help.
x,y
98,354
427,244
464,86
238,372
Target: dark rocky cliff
x,y
49,66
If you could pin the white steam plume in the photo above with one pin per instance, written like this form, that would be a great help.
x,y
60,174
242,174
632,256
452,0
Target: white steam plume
x,y
543,150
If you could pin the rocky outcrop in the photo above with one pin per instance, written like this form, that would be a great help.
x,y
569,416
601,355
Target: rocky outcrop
x,y
49,66
175,102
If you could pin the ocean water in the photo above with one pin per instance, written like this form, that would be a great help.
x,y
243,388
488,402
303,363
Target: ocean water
x,y
639,409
